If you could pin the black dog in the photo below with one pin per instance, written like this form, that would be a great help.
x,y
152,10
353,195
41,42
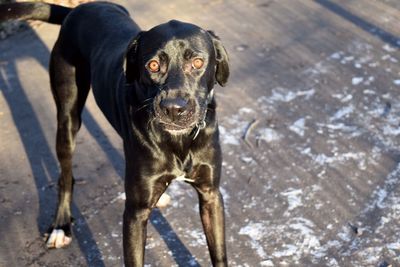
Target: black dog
x,y
156,89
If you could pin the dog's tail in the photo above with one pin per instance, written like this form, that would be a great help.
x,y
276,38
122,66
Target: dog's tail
x,y
34,10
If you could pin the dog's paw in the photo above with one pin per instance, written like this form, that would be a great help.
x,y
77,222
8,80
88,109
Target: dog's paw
x,y
58,239
164,200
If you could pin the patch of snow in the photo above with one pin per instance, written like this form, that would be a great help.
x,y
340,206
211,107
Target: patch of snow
x,y
381,196
225,195
346,98
290,250
227,138
293,198
304,227
197,238
298,127
339,126
342,113
267,263
369,92
323,159
357,80
281,94
388,48
390,130
304,240
268,135
369,80
394,246
247,160
336,55
370,256
390,58
255,231
245,110
347,59
121,196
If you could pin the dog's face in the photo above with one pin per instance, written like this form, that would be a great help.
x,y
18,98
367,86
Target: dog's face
x,y
176,66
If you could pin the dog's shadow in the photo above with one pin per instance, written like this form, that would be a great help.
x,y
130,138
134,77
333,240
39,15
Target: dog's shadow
x,y
42,161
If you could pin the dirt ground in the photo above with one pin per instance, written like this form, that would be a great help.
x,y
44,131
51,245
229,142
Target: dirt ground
x,y
310,125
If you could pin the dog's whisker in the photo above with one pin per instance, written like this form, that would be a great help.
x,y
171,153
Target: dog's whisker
x,y
148,99
146,103
149,123
142,107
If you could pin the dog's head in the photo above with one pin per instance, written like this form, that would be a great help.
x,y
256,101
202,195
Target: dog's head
x,y
175,66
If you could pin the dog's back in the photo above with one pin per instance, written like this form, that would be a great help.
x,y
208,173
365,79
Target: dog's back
x,y
98,25
98,34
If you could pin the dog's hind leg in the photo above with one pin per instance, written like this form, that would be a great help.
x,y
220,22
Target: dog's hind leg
x,y
70,85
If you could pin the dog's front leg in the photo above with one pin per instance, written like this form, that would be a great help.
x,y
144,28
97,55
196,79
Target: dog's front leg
x,y
142,195
134,234
213,219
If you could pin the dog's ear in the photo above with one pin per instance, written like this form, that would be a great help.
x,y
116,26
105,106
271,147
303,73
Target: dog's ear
x,y
131,66
222,71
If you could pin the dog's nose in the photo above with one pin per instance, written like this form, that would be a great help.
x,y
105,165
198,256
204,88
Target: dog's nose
x,y
174,107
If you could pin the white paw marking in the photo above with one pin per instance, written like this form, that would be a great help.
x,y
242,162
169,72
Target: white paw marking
x,y
58,239
164,200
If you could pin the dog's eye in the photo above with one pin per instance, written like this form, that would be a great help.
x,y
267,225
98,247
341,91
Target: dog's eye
x,y
154,66
197,63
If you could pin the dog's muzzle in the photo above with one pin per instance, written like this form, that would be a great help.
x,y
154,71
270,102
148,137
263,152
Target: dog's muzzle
x,y
179,115
176,114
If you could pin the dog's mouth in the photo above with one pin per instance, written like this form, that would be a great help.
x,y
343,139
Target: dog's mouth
x,y
176,129
179,124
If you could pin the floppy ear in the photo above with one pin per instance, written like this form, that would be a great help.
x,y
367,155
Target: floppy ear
x,y
131,65
222,71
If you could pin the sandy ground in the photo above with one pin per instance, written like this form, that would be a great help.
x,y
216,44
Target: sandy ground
x,y
310,125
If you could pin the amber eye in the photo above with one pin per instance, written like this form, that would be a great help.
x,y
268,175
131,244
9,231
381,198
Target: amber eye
x,y
197,63
154,66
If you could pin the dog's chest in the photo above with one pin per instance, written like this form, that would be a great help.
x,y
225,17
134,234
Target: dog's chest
x,y
183,168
